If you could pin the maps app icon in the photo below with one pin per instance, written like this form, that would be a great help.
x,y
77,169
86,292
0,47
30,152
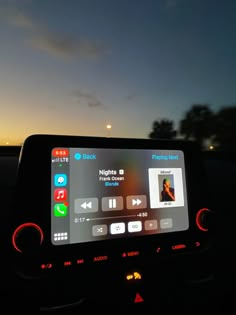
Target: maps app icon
x,y
60,180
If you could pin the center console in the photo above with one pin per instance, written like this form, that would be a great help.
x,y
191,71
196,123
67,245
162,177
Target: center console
x,y
108,216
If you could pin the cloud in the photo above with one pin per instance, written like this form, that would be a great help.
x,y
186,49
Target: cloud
x,y
92,49
16,16
20,19
88,99
53,43
130,97
67,46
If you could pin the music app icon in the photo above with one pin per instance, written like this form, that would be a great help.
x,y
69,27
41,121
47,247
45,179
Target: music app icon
x,y
60,194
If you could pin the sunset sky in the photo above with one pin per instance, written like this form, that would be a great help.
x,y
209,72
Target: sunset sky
x,y
73,66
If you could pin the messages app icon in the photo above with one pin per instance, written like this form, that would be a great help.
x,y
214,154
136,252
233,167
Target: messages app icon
x,y
60,180
60,210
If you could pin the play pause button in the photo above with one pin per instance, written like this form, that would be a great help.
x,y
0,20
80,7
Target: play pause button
x,y
112,203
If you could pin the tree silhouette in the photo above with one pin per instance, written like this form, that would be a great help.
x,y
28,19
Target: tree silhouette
x,y
163,129
197,123
225,128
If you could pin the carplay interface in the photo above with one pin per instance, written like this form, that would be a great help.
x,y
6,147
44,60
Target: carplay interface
x,y
99,194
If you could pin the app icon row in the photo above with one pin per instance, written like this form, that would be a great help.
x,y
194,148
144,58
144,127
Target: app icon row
x,y
60,195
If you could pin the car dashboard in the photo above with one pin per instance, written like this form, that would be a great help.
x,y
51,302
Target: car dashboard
x,y
91,225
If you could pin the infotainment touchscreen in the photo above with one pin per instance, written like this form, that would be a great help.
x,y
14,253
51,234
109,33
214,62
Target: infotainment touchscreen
x,y
110,193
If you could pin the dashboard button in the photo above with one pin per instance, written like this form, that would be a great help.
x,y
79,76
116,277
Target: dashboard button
x,y
203,219
27,237
138,298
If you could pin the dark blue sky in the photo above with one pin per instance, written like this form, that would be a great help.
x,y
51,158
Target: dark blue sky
x,y
72,66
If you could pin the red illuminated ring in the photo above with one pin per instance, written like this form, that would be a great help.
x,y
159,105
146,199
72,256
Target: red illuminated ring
x,y
198,219
20,228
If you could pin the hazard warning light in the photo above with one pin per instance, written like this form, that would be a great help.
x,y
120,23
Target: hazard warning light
x,y
138,298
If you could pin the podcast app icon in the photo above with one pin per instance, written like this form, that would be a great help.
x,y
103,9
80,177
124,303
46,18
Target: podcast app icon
x,y
60,180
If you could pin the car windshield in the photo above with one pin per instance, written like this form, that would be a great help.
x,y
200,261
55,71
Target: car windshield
x,y
134,69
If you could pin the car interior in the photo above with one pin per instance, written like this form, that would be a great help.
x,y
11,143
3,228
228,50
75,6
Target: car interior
x,y
117,157
101,238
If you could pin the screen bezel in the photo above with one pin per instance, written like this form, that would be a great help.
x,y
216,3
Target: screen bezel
x,y
36,154
85,180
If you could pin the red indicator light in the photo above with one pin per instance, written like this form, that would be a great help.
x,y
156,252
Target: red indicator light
x,y
46,266
134,253
124,255
197,244
158,249
80,261
138,298
60,152
179,246
67,263
100,258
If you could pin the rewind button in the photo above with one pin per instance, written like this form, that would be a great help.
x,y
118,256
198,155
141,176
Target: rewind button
x,y
86,205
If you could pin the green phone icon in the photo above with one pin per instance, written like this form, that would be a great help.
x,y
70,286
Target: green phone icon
x,y
60,210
